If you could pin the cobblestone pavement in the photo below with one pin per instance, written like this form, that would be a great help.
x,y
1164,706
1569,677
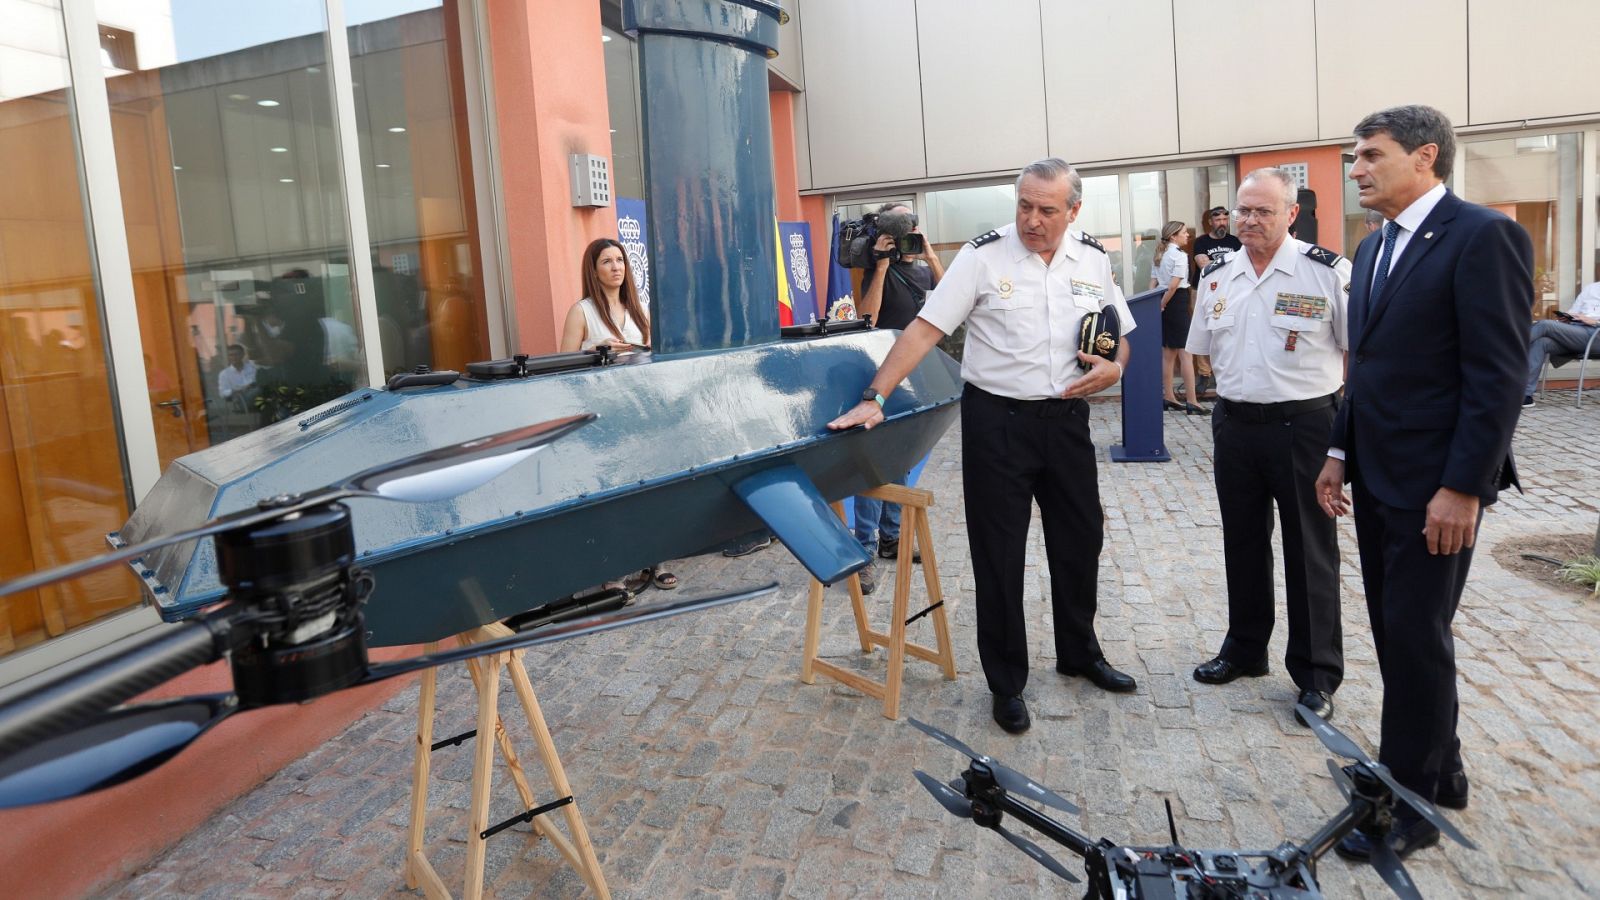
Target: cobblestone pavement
x,y
705,768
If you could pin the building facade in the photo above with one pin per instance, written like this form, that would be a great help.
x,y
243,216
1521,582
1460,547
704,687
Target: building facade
x,y
217,215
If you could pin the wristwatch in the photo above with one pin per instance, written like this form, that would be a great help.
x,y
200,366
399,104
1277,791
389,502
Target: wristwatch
x,y
870,394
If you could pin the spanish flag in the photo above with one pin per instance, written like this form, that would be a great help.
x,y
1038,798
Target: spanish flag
x,y
785,302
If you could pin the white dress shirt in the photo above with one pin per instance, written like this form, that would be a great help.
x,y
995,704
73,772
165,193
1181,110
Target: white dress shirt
x,y
1279,336
1409,220
1022,313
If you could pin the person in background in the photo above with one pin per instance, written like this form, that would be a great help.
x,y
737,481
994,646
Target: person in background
x,y
238,377
892,293
1211,247
1567,332
1171,275
609,312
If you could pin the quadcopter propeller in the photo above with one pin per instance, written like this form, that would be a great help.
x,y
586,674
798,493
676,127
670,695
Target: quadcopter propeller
x,y
954,803
1010,779
1387,862
434,475
1346,786
1336,742
121,744
960,807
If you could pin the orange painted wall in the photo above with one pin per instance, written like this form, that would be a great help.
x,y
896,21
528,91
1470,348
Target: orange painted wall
x,y
550,102
70,848
1325,172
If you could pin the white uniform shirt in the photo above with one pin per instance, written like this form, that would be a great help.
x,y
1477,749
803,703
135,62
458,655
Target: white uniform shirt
x,y
230,380
1022,315
1247,324
1174,264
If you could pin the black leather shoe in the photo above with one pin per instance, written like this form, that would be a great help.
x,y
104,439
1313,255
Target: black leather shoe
x,y
1011,713
1170,406
1452,793
1406,837
1319,702
1218,670
1103,675
888,549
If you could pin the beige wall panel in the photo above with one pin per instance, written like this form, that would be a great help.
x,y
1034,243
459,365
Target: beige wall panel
x,y
854,140
1418,56
1531,60
790,61
1109,79
982,84
1246,77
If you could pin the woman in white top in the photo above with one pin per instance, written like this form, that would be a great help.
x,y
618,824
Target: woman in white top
x,y
1172,274
610,312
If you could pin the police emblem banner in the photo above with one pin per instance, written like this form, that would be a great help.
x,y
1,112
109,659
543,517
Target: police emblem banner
x,y
795,239
633,231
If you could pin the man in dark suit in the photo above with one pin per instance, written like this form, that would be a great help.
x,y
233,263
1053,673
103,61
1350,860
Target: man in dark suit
x,y
1440,305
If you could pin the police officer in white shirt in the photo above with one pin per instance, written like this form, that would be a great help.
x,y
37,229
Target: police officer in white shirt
x,y
1272,319
1023,291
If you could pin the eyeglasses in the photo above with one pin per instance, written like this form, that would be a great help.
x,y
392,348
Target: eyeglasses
x,y
1245,214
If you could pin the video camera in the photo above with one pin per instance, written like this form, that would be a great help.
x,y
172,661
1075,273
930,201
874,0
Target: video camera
x,y
857,238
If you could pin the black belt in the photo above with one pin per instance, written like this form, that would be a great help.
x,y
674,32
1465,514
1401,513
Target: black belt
x,y
1044,409
1274,412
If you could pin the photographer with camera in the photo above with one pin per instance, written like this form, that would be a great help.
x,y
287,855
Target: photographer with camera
x,y
893,288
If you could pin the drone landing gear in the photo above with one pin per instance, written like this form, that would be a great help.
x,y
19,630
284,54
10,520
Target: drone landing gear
x,y
577,851
914,503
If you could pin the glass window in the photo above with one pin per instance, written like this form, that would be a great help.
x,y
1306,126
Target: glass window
x,y
1100,217
1533,179
422,217
61,475
233,204
622,104
1147,199
956,216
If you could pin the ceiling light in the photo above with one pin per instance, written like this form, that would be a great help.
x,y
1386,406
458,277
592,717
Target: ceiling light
x,y
286,180
238,96
280,149
177,168
398,129
605,38
383,165
266,103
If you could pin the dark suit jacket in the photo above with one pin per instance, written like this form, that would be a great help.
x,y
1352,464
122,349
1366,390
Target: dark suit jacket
x,y
1436,369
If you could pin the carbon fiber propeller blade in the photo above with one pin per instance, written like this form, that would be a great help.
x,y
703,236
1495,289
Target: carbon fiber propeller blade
x,y
1346,787
1393,872
1013,781
118,746
954,803
1039,856
1336,741
434,475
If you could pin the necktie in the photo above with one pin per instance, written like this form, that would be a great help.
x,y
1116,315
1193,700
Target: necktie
x,y
1391,230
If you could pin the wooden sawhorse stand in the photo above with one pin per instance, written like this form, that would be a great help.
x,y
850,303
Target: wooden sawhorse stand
x,y
914,503
485,670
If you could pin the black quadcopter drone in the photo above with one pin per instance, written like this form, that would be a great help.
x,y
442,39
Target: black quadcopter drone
x,y
291,627
987,791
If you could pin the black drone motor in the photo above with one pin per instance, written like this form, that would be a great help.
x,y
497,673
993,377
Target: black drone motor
x,y
297,581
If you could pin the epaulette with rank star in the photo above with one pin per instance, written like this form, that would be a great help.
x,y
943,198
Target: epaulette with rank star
x,y
1215,264
1084,236
1323,255
988,237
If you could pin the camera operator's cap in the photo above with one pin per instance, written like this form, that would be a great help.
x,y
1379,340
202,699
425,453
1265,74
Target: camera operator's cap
x,y
1215,210
1099,334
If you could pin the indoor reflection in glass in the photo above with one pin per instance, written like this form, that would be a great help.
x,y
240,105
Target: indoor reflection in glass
x,y
61,476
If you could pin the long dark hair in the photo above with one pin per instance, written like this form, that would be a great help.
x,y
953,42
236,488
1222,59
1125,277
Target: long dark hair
x,y
595,291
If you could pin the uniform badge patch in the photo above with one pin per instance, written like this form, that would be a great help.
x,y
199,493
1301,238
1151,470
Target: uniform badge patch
x,y
1005,289
1081,288
1218,307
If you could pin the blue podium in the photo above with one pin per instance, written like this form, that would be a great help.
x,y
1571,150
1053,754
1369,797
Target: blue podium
x,y
1141,386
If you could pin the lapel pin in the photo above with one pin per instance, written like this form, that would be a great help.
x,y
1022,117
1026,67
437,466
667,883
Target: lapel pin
x,y
1427,236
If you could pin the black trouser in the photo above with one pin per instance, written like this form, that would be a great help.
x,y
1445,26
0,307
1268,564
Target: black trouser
x,y
1411,598
1013,452
1266,454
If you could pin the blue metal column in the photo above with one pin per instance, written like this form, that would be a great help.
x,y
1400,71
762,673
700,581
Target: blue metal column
x,y
1141,386
708,170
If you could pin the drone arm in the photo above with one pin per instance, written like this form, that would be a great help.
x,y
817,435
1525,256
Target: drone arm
x,y
138,663
1050,828
1355,814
